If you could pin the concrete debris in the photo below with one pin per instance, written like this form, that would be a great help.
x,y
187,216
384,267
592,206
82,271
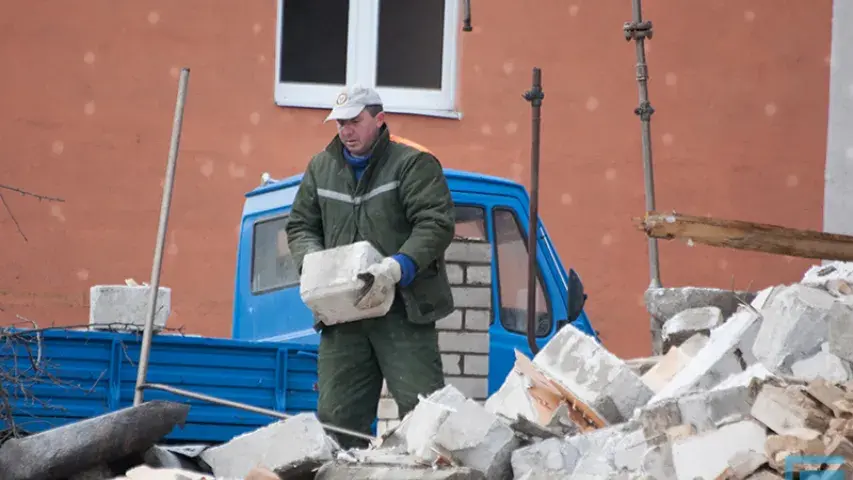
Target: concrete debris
x,y
125,307
308,448
746,382
690,322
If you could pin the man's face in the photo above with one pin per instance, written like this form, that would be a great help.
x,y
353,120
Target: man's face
x,y
359,133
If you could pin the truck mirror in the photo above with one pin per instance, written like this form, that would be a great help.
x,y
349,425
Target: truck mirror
x,y
576,296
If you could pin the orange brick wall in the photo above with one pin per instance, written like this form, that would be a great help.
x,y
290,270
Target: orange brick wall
x,y
88,93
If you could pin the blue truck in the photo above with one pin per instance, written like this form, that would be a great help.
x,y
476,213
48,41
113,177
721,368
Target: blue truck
x,y
270,361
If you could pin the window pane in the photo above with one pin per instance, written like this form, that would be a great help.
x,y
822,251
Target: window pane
x,y
272,265
314,41
411,39
470,223
512,275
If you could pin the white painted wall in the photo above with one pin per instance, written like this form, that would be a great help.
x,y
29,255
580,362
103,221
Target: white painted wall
x,y
838,183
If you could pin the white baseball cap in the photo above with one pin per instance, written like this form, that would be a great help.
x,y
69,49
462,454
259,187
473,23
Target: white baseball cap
x,y
351,101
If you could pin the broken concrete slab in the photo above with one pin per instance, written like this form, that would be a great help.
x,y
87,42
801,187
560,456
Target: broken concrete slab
x,y
64,451
478,439
419,427
823,365
292,447
819,276
551,457
707,455
607,451
719,359
754,372
665,303
745,463
797,322
782,408
675,359
596,377
512,399
688,323
125,307
702,411
841,332
351,471
448,422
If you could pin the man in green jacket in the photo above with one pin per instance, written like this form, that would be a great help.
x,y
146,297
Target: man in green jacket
x,y
368,185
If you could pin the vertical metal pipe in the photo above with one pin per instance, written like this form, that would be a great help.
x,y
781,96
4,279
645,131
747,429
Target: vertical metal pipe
x,y
161,236
466,26
534,96
639,30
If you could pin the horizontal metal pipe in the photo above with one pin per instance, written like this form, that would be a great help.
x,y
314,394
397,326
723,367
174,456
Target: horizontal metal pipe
x,y
248,408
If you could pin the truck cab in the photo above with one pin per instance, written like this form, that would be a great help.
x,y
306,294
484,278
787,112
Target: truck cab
x,y
267,305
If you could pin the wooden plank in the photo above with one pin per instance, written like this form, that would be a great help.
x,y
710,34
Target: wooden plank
x,y
760,237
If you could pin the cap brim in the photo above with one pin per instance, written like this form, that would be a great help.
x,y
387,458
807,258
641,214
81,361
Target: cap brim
x,y
344,113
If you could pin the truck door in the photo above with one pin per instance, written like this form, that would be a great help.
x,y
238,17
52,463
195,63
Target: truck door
x,y
268,306
503,222
509,226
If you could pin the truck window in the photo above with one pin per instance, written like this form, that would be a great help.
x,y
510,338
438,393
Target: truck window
x,y
470,223
273,267
512,277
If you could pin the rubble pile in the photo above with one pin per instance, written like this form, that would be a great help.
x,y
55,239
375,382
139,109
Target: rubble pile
x,y
752,385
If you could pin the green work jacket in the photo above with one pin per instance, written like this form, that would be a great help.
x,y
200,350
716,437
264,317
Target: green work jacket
x,y
401,204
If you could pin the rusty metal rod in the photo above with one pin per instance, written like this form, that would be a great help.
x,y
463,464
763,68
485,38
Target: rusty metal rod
x,y
639,31
466,26
248,408
161,235
534,96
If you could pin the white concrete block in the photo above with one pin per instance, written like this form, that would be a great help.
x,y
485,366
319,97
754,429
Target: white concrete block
x,y
329,284
450,322
511,400
125,307
463,342
451,363
819,275
479,320
597,377
476,364
714,362
455,274
479,440
472,387
796,323
548,457
690,322
822,365
674,361
841,331
744,378
296,443
707,455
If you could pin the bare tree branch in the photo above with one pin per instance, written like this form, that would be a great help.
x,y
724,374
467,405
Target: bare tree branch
x,y
12,216
26,368
24,193
31,194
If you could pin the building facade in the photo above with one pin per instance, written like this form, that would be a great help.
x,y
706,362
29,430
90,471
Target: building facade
x,y
740,131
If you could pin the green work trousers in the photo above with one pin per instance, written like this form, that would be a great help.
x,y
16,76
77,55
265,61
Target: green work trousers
x,y
355,357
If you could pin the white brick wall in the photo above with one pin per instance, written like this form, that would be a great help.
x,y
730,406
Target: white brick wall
x,y
463,336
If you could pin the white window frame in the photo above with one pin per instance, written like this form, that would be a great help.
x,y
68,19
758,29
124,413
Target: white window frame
x,y
362,48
